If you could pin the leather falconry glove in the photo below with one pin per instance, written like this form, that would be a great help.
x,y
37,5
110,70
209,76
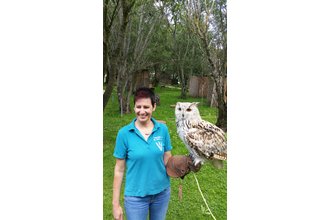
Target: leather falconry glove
x,y
180,166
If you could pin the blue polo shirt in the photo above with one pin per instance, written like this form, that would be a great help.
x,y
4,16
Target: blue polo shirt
x,y
145,169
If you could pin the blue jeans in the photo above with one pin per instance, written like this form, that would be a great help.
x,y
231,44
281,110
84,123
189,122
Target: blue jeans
x,y
137,208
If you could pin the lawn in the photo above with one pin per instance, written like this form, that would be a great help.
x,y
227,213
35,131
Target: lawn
x,y
213,182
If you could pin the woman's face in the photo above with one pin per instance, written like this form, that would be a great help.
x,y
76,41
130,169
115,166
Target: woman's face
x,y
143,109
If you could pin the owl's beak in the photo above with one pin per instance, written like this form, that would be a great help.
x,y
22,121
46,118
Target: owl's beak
x,y
182,115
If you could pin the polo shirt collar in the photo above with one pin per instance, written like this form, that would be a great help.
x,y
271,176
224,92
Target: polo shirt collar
x,y
131,126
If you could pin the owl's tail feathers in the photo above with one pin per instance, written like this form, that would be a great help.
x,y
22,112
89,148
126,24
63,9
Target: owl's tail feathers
x,y
217,164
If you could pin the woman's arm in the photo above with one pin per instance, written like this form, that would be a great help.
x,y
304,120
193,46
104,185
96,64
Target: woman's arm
x,y
117,181
167,155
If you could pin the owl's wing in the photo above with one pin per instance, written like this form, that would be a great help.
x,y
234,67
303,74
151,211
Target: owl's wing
x,y
207,140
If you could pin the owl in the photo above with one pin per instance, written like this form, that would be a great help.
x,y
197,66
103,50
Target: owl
x,y
204,140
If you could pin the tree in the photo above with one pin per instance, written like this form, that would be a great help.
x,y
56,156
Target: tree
x,y
182,44
208,21
144,17
186,55
125,42
154,36
110,10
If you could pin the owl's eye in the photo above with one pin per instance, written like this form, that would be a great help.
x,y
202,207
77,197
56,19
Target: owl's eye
x,y
188,109
179,109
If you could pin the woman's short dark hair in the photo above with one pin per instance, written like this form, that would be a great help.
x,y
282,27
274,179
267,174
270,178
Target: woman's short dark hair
x,y
144,92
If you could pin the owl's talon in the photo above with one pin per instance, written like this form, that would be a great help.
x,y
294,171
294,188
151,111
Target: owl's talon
x,y
195,167
192,157
194,164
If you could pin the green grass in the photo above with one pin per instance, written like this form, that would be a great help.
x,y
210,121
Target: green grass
x,y
213,182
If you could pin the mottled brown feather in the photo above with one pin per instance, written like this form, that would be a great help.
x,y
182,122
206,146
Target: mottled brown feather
x,y
207,140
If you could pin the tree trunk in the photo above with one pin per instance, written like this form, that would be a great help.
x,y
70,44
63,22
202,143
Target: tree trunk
x,y
109,86
222,107
122,78
124,92
183,84
109,71
157,75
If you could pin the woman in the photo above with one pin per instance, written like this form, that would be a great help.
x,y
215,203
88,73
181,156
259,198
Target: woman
x,y
143,148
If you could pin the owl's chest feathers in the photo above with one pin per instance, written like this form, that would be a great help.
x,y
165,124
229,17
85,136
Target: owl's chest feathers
x,y
183,127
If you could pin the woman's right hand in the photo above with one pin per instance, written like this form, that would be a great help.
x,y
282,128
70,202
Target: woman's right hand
x,y
117,212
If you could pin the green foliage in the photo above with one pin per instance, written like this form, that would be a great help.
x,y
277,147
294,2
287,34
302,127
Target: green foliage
x,y
213,182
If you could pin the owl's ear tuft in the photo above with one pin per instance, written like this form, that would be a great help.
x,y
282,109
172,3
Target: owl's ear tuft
x,y
196,103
